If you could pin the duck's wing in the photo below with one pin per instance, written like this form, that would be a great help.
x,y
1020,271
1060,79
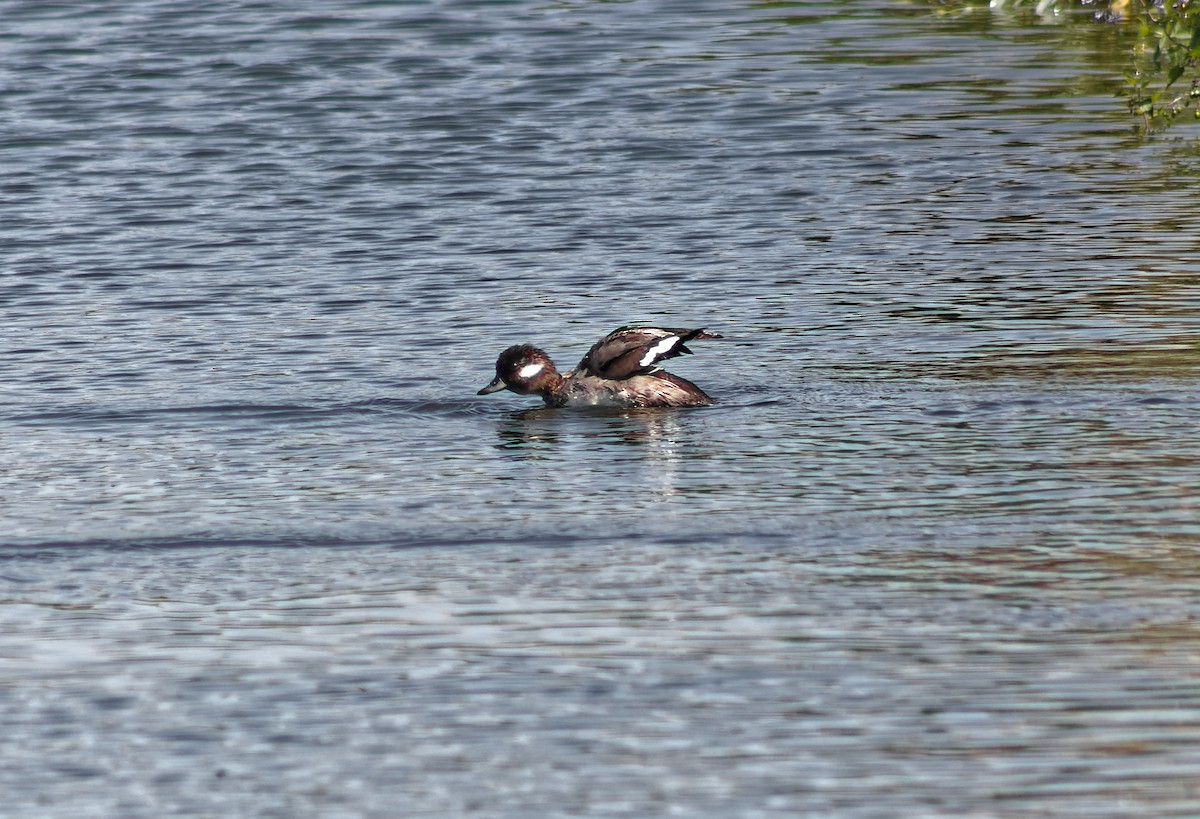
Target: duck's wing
x,y
630,351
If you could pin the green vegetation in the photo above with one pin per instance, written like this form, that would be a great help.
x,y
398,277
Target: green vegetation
x,y
1164,81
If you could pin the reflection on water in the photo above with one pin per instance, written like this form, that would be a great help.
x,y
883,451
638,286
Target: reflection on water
x,y
653,430
643,449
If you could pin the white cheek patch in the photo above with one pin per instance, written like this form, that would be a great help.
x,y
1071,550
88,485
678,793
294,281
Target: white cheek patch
x,y
658,349
530,370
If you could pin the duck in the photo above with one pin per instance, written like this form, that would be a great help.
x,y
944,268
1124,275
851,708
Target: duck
x,y
620,370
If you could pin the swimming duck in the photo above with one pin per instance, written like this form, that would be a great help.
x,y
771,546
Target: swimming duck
x,y
621,370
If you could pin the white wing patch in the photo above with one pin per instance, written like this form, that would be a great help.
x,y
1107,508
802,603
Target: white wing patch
x,y
664,346
530,370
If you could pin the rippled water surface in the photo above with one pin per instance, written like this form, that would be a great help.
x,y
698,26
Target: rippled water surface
x,y
265,552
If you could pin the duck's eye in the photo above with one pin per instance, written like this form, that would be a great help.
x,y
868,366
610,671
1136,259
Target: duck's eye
x,y
530,370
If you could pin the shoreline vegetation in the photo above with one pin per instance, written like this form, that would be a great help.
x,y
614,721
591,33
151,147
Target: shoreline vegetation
x,y
1161,40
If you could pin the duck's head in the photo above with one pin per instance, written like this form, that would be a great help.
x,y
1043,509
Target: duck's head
x,y
525,370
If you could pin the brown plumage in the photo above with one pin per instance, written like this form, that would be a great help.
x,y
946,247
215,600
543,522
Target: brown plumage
x,y
620,369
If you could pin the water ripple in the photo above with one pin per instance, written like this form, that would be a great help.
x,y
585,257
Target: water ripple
x,y
264,544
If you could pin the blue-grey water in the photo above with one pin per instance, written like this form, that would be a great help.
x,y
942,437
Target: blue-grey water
x,y
264,552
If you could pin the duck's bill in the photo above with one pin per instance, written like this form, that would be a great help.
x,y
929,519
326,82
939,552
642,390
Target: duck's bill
x,y
496,385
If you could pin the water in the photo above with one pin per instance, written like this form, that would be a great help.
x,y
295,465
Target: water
x,y
265,553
